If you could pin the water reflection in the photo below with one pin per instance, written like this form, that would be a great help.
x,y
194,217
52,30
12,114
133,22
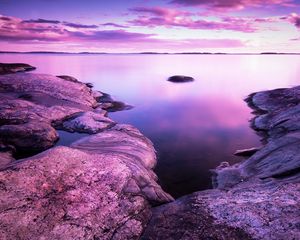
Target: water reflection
x,y
193,126
191,137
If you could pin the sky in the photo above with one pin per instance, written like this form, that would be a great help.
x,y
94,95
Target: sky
x,y
232,26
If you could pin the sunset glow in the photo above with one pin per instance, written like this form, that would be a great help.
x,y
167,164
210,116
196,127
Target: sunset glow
x,y
233,26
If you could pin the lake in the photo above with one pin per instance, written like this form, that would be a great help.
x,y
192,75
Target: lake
x,y
194,126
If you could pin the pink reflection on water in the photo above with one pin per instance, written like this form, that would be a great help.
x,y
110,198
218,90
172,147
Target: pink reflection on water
x,y
194,126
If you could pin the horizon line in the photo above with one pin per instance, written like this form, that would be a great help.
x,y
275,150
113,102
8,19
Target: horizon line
x,y
158,53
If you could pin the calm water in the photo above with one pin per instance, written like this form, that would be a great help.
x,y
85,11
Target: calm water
x,y
194,126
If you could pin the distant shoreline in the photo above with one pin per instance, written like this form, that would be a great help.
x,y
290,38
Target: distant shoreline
x,y
147,53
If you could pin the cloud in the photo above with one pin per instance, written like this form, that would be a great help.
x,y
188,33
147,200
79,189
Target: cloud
x,y
232,4
207,43
109,24
77,25
109,35
3,18
40,20
293,18
17,31
156,16
159,11
36,30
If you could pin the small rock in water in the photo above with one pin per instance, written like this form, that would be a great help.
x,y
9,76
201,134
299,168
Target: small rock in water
x,y
116,106
180,79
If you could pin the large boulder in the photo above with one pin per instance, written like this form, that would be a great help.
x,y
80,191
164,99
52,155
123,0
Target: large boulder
x,y
101,188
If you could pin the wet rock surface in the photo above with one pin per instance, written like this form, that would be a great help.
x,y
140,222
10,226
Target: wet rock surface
x,y
256,199
6,68
102,187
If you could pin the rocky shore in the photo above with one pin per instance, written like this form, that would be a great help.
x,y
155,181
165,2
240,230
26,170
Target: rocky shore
x,y
258,198
103,186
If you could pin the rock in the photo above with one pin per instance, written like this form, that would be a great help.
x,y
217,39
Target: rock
x,y
69,78
88,122
180,79
107,103
98,189
246,152
29,137
48,89
258,198
127,141
5,158
249,211
116,106
31,104
102,187
6,68
89,85
97,95
226,177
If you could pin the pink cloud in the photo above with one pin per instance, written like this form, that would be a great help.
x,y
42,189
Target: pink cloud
x,y
233,4
16,30
159,11
206,43
157,16
294,18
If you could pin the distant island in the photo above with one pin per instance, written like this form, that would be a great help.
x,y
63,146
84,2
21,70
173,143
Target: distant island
x,y
148,53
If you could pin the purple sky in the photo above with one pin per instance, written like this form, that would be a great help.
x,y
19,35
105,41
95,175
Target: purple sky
x,y
142,25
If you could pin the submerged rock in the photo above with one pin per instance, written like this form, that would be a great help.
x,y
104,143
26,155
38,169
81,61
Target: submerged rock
x,y
258,198
180,79
115,106
107,103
